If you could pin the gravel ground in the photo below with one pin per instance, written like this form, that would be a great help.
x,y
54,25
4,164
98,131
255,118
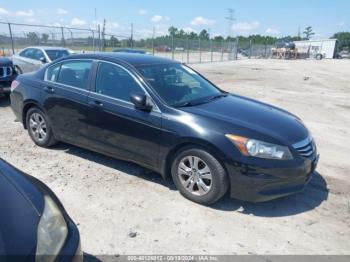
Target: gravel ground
x,y
121,208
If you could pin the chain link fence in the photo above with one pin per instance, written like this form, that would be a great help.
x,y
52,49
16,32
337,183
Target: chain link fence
x,y
15,36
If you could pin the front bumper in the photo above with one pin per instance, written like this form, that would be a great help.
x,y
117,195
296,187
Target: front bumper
x,y
5,90
71,251
259,183
5,84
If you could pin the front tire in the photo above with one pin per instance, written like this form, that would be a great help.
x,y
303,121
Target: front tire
x,y
39,128
18,70
199,176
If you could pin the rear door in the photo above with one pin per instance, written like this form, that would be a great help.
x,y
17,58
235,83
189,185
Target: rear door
x,y
25,59
66,89
117,127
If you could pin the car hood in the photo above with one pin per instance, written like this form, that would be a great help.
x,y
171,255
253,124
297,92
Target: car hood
x,y
5,62
20,213
254,115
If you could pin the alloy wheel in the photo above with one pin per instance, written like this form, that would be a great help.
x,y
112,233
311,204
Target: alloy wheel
x,y
195,175
38,128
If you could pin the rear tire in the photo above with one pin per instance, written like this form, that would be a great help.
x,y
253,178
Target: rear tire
x,y
199,176
39,128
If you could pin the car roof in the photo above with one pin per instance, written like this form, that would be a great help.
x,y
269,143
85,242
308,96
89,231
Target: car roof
x,y
129,49
48,47
134,59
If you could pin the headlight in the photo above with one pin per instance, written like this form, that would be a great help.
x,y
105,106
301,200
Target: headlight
x,y
256,148
52,232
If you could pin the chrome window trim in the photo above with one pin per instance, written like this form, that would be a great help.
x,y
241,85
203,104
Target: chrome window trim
x,y
155,107
72,87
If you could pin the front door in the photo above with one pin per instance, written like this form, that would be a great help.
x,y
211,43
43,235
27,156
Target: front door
x,y
117,127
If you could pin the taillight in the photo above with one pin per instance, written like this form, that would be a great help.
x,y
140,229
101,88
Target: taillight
x,y
14,84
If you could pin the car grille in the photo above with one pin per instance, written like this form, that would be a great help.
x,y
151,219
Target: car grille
x,y
6,71
305,148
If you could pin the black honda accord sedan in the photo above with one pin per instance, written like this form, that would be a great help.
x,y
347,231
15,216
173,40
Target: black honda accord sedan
x,y
165,116
34,225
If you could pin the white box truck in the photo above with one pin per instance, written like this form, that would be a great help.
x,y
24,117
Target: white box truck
x,y
319,49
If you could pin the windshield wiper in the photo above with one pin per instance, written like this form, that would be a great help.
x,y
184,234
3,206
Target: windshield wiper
x,y
211,98
185,104
194,103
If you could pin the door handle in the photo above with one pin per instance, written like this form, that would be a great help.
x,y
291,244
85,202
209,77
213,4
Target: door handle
x,y
96,104
49,89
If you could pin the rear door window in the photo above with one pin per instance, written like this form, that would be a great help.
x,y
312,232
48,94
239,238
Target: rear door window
x,y
27,53
73,73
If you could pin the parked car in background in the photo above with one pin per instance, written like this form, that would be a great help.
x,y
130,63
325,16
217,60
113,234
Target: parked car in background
x,y
32,58
179,49
165,116
130,50
163,48
7,74
34,225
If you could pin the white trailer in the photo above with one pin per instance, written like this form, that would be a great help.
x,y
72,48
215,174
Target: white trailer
x,y
322,48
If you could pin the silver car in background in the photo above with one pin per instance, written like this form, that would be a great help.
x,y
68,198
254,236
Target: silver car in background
x,y
32,58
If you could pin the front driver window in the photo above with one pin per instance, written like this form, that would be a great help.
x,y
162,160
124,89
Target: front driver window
x,y
116,82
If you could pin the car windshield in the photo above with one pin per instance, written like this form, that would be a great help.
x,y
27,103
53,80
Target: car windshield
x,y
178,85
56,54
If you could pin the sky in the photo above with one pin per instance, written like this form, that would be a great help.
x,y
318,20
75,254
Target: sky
x,y
268,17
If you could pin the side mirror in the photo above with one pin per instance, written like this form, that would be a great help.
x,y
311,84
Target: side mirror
x,y
43,60
141,102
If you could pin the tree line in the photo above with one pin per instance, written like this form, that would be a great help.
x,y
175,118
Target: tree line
x,y
179,37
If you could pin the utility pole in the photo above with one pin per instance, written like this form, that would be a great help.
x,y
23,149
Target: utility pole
x,y
11,36
96,19
104,35
230,18
153,36
99,37
97,29
63,42
132,35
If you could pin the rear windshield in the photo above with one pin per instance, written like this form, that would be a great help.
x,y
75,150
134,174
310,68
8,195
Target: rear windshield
x,y
56,54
